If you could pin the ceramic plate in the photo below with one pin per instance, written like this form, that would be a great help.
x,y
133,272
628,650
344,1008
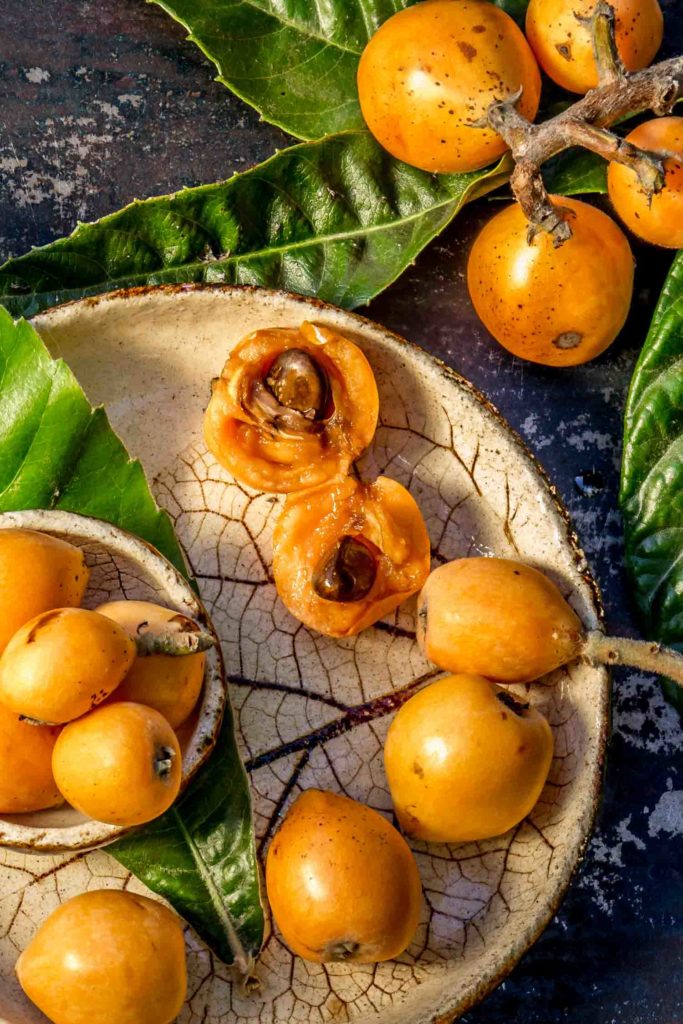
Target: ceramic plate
x,y
312,711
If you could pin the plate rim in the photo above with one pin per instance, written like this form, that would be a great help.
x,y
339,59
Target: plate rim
x,y
528,938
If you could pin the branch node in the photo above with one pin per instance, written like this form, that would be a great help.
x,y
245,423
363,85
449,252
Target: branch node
x,y
504,118
586,123
648,166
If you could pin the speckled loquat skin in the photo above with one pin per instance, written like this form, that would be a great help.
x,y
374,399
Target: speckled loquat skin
x,y
465,761
498,618
563,47
342,883
26,779
431,71
657,219
120,764
38,572
555,305
107,957
62,664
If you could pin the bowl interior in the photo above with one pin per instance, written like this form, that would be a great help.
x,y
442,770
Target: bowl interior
x,y
311,711
121,566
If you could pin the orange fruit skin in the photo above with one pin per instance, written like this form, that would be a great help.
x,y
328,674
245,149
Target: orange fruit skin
x,y
461,764
171,685
497,618
37,573
657,219
432,70
555,306
563,46
107,957
342,882
63,663
26,779
105,764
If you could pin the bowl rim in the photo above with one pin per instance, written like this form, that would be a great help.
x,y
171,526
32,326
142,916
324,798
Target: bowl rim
x,y
457,1003
91,834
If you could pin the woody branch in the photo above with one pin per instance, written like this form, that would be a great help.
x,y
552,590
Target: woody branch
x,y
586,123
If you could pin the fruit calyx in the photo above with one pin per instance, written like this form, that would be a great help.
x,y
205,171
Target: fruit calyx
x,y
163,762
341,951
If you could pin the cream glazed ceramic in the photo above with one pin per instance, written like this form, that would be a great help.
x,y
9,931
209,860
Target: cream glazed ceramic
x,y
314,711
121,566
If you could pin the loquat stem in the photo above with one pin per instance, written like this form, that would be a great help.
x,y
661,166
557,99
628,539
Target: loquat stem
x,y
648,166
586,123
175,644
607,59
643,654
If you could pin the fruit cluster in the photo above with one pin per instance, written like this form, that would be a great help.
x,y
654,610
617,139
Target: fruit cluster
x,y
465,760
428,81
89,700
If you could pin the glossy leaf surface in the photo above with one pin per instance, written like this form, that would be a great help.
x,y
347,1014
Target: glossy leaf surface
x,y
339,219
294,61
652,473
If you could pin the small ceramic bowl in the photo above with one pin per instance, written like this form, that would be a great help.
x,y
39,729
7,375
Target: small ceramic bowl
x,y
121,566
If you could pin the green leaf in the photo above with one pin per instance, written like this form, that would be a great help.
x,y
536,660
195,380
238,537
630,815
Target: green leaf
x,y
200,856
340,219
56,451
294,61
576,172
515,8
651,494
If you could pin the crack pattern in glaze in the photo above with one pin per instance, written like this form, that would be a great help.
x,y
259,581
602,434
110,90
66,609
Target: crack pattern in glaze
x,y
313,711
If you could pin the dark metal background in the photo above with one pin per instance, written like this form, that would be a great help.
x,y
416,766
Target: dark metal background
x,y
102,101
